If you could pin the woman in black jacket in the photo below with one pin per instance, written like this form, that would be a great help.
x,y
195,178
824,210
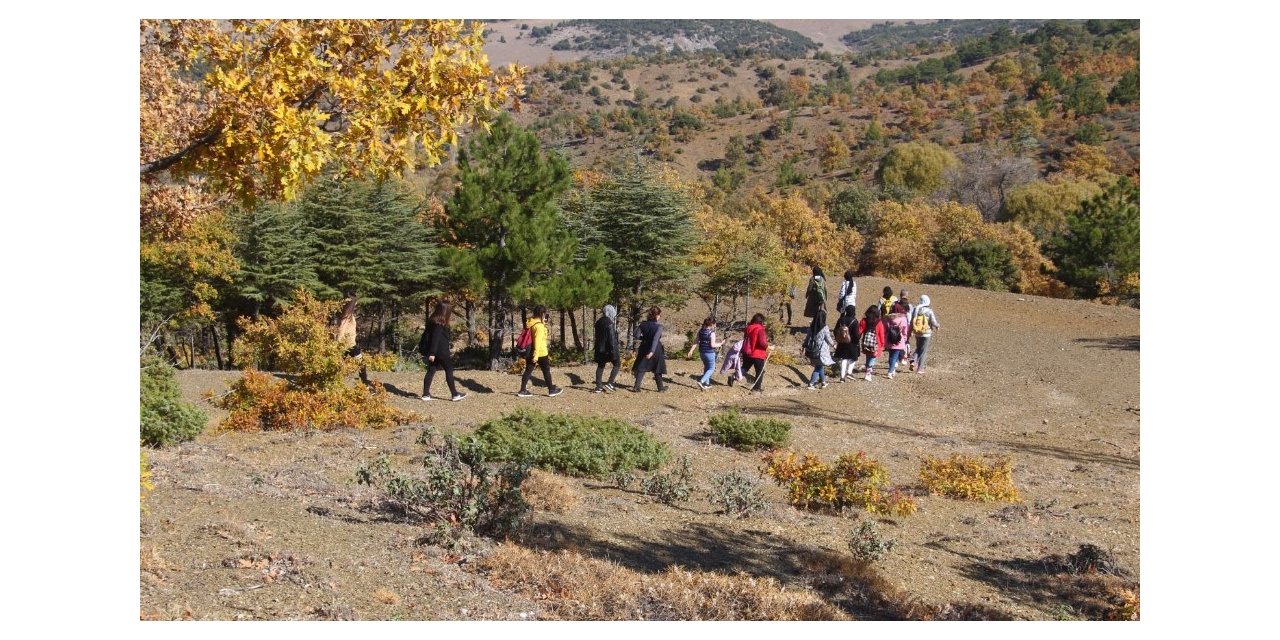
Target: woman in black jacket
x,y
434,347
607,347
650,356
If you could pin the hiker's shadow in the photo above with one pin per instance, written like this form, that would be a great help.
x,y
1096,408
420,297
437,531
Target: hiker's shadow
x,y
801,378
575,379
391,388
472,385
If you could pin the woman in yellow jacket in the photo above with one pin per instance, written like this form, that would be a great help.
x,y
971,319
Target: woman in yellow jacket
x,y
538,354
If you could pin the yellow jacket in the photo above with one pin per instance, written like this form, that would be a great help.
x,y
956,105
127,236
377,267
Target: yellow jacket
x,y
539,331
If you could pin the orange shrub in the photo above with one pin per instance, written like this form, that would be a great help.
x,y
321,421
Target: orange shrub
x,y
855,480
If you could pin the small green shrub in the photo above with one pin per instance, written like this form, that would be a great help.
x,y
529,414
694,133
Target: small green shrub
x,y
457,491
866,543
166,418
573,445
745,434
736,494
673,486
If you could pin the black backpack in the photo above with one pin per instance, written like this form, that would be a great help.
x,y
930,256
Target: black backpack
x,y
811,346
892,334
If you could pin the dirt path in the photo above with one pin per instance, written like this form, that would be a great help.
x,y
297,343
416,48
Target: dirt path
x,y
270,525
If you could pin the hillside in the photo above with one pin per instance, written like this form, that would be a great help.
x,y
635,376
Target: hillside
x,y
270,526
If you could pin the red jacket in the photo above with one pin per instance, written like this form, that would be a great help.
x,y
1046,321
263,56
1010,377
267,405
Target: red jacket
x,y
756,343
862,328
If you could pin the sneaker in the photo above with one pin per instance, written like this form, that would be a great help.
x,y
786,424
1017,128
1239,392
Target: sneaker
x,y
457,397
824,385
704,386
731,381
890,375
867,377
555,391
913,365
810,387
523,394
427,398
598,390
610,388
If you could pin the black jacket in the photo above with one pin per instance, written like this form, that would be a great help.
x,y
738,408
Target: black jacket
x,y
650,341
435,341
606,341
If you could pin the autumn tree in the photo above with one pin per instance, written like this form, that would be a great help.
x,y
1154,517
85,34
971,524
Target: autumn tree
x,y
833,153
984,178
918,166
1043,207
735,259
807,235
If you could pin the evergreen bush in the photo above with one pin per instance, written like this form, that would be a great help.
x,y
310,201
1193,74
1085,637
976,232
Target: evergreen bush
x,y
574,445
166,418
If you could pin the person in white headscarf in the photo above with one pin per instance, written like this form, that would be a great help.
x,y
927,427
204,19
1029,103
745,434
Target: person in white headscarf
x,y
607,347
923,323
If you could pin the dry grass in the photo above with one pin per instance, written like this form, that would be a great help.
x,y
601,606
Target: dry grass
x,y
386,596
548,492
574,587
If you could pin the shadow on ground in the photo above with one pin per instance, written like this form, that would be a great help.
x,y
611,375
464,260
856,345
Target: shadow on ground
x,y
1127,343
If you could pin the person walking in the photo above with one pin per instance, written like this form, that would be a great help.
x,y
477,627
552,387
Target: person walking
x,y
871,342
733,361
435,349
755,349
650,356
905,298
607,351
706,346
923,323
539,354
897,326
886,301
848,292
787,299
815,297
819,343
846,335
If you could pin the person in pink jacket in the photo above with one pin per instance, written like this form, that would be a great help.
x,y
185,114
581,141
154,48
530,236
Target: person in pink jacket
x,y
871,340
898,319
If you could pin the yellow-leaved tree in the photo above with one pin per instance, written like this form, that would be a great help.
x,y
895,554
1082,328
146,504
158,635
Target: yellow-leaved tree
x,y
807,235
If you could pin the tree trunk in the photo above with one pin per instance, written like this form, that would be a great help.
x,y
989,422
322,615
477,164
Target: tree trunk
x,y
231,337
562,323
573,323
496,316
382,328
191,355
469,312
217,348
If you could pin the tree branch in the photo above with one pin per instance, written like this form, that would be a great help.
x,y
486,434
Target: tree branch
x,y
174,158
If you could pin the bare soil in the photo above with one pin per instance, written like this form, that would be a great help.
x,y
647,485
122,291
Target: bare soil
x,y
272,526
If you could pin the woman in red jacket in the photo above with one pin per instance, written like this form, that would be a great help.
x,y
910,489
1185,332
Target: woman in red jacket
x,y
872,341
755,349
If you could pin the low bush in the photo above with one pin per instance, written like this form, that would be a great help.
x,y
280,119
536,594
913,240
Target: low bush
x,y
673,486
852,481
737,494
984,479
866,543
457,491
166,418
574,445
747,434
381,361
259,402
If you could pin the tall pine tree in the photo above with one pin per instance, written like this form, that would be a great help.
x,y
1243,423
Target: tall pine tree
x,y
503,220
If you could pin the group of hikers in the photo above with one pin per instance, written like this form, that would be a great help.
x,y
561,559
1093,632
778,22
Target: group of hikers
x,y
886,326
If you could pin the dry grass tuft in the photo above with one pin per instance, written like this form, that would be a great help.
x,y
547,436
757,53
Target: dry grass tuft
x,y
386,596
549,492
574,587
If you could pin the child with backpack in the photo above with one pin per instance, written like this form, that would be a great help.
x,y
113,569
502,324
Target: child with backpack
x,y
707,344
897,335
923,323
533,343
817,348
848,292
846,335
886,301
733,361
872,342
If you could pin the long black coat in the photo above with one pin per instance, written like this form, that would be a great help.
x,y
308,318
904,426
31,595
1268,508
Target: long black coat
x,y
435,341
651,340
606,341
848,350
815,297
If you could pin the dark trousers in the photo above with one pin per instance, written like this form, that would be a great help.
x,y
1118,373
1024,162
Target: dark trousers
x,y
613,373
544,363
432,367
786,307
656,376
758,363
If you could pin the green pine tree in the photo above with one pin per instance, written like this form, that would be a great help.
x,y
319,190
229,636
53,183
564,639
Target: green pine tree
x,y
1101,242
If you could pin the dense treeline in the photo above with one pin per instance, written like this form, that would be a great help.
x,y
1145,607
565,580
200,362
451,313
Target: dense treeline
x,y
734,38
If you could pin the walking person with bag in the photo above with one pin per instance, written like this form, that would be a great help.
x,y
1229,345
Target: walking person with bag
x,y
537,352
606,349
815,296
848,292
871,343
818,349
706,345
650,355
923,323
846,335
435,349
897,334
